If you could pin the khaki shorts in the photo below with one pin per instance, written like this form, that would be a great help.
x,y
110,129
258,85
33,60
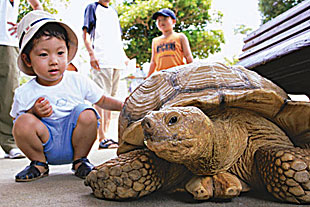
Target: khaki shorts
x,y
107,79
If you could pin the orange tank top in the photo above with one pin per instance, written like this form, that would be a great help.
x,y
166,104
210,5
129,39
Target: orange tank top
x,y
168,52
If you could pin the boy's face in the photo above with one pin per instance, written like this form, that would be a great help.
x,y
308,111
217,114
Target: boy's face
x,y
165,24
104,1
48,59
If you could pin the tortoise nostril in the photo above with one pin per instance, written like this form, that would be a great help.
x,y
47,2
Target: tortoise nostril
x,y
148,124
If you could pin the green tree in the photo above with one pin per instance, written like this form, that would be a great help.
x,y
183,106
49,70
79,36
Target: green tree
x,y
242,29
48,5
272,8
234,60
193,18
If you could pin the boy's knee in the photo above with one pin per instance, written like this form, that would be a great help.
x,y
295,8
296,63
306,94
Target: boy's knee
x,y
25,122
87,117
25,119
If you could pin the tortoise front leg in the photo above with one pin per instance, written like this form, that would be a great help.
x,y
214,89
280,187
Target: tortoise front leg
x,y
131,175
285,172
222,185
135,174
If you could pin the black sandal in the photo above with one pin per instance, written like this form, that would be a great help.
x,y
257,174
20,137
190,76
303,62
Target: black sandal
x,y
31,172
108,144
84,169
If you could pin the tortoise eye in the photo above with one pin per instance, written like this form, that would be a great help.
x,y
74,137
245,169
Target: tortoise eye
x,y
173,120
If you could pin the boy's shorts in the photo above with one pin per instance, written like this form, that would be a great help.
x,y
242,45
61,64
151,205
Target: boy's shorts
x,y
58,149
107,78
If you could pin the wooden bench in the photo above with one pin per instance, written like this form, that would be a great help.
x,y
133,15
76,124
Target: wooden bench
x,y
280,50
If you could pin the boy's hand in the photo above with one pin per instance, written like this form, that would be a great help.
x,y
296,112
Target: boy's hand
x,y
42,108
127,61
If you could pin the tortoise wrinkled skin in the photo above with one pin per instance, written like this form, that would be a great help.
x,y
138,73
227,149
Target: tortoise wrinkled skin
x,y
210,130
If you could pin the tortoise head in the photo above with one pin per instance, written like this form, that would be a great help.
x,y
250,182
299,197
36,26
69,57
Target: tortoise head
x,y
178,134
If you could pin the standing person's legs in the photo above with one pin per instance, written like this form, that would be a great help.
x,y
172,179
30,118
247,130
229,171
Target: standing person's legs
x,y
97,77
104,79
114,86
8,81
100,128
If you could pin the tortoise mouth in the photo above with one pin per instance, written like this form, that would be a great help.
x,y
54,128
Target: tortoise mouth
x,y
152,138
173,140
172,150
168,144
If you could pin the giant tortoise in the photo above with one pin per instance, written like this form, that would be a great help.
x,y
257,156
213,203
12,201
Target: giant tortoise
x,y
213,131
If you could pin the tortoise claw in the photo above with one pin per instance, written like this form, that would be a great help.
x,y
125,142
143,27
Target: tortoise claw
x,y
200,187
223,185
226,185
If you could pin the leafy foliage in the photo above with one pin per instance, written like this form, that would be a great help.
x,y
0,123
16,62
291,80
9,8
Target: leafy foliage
x,y
242,29
48,5
232,61
271,8
23,79
193,18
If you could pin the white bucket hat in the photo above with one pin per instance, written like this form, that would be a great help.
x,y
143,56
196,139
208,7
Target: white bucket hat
x,y
27,28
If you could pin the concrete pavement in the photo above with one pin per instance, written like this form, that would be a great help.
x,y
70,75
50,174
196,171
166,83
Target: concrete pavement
x,y
62,188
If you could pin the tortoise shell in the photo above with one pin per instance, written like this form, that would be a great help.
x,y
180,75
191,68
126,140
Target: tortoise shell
x,y
206,86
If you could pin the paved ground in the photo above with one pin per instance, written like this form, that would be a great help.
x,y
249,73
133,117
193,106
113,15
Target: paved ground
x,y
61,188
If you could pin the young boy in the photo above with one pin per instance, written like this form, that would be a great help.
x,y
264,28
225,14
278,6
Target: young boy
x,y
171,47
52,125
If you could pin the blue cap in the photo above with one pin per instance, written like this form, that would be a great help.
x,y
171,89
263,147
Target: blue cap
x,y
165,13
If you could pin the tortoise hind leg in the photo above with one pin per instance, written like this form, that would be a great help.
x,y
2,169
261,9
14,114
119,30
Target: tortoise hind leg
x,y
131,175
285,172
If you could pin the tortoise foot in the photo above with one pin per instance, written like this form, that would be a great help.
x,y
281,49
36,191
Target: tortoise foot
x,y
200,187
131,175
286,173
223,186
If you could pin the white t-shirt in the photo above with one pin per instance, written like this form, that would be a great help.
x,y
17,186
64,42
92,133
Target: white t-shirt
x,y
8,13
73,89
107,41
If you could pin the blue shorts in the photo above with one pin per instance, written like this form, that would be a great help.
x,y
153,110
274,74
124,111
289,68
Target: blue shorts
x,y
58,149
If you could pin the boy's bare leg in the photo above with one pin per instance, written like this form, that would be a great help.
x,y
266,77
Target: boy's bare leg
x,y
29,133
84,135
101,127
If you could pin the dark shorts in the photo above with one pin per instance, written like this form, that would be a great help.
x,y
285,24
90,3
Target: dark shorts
x,y
58,149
